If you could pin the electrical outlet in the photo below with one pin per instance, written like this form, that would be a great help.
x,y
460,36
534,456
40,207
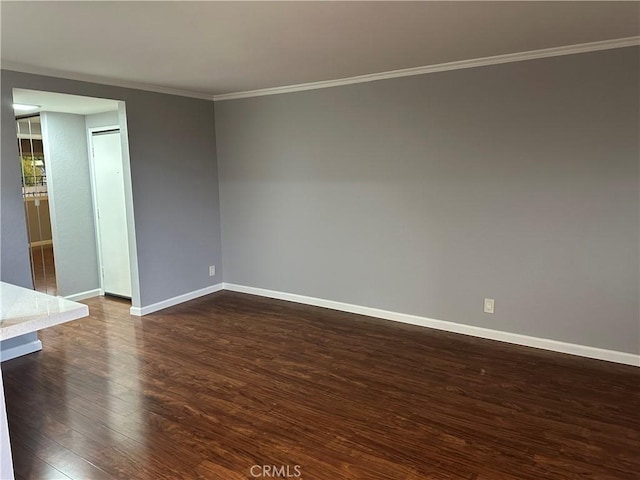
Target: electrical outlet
x,y
212,270
489,305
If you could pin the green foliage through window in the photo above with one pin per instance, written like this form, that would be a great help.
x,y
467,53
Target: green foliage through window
x,y
33,170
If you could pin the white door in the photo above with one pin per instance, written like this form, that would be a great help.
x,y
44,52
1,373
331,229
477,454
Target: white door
x,y
110,206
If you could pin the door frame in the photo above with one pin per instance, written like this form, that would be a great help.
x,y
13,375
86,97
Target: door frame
x,y
128,207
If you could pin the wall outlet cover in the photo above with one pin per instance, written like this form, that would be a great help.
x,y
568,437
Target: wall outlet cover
x,y
489,305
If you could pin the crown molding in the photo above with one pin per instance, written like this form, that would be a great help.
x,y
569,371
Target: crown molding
x,y
49,72
441,67
405,72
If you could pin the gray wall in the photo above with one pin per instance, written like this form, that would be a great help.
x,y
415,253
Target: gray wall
x,y
64,137
14,244
426,194
174,180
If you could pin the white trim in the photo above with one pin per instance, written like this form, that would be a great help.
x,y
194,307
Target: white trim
x,y
20,350
170,302
543,343
92,179
76,297
441,67
52,72
6,460
26,136
128,201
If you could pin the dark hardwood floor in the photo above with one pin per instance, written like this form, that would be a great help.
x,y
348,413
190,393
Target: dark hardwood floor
x,y
213,388
44,270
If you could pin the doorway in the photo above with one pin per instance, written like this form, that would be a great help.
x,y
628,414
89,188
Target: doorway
x,y
109,206
85,145
36,203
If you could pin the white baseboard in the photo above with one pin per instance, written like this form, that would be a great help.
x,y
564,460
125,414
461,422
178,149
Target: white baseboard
x,y
515,338
154,307
543,343
20,350
76,297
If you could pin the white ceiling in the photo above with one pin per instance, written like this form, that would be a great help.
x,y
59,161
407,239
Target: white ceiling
x,y
60,102
222,47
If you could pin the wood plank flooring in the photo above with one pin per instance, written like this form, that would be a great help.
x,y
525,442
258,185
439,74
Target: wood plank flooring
x,y
230,384
44,269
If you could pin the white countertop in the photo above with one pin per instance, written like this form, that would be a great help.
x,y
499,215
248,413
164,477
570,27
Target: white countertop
x,y
24,311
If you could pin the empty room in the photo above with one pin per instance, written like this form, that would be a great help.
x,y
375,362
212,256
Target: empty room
x,y
320,240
